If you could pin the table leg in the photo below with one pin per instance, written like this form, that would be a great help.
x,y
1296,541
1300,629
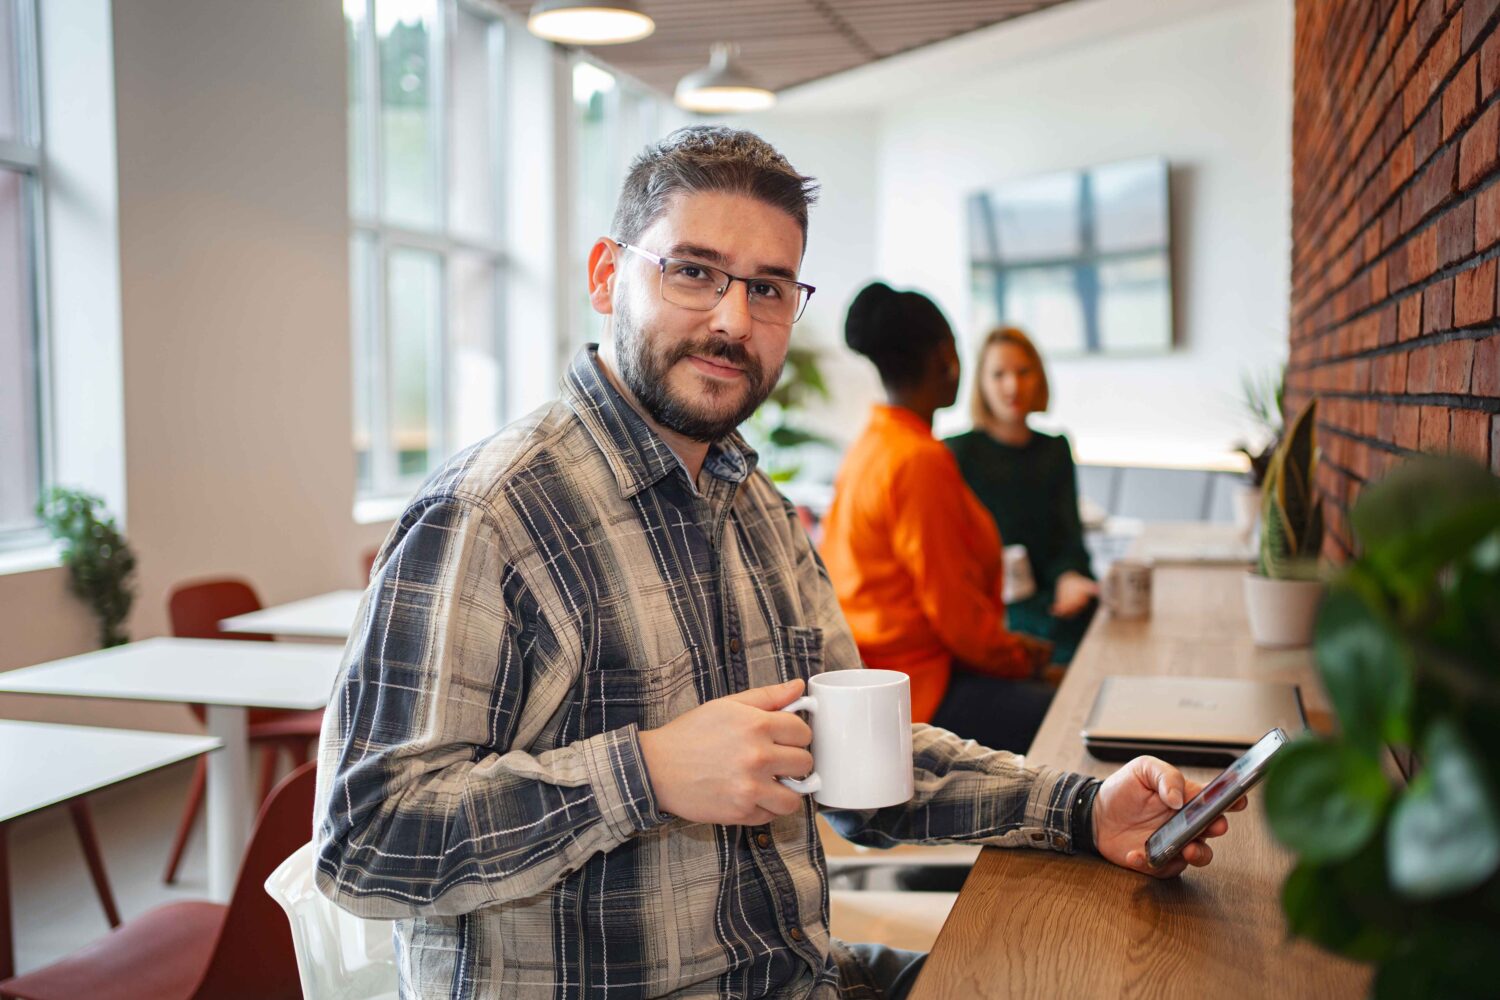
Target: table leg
x,y
228,792
7,944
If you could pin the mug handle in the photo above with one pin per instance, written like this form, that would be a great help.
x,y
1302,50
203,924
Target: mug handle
x,y
811,783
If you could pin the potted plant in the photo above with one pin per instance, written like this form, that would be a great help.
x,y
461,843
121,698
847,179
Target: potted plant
x,y
1283,593
100,562
1406,875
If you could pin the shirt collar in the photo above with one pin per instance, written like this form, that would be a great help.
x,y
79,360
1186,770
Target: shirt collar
x,y
900,416
636,455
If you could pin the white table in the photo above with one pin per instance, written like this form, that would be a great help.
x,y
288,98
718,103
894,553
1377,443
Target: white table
x,y
326,616
227,677
67,762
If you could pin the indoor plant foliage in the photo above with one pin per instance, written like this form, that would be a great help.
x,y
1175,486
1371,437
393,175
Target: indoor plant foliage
x,y
1291,534
1283,594
1262,397
1408,646
773,428
100,562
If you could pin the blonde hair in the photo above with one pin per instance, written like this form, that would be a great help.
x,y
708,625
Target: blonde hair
x,y
979,409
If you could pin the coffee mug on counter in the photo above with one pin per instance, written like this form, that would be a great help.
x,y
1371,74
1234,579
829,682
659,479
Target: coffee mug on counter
x,y
1126,589
1019,584
861,746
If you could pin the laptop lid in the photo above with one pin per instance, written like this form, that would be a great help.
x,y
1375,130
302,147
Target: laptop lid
x,y
1219,712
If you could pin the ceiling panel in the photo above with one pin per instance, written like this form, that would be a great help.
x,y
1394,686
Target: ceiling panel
x,y
788,42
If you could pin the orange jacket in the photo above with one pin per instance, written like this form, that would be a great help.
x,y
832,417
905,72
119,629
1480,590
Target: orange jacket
x,y
915,561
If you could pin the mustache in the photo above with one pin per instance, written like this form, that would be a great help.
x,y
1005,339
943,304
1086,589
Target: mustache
x,y
723,350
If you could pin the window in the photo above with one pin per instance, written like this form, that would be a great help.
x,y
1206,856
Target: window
x,y
23,384
613,120
426,261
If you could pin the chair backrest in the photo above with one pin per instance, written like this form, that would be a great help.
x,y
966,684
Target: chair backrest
x,y
197,608
339,956
254,956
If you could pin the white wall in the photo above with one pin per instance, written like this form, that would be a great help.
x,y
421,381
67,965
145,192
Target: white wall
x,y
1204,83
233,284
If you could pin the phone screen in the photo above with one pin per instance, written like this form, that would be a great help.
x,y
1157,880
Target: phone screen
x,y
1218,795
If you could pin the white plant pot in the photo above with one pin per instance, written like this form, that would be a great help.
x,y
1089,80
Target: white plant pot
x,y
1282,612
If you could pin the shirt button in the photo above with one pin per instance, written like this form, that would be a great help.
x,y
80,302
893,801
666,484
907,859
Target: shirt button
x,y
734,645
795,934
763,840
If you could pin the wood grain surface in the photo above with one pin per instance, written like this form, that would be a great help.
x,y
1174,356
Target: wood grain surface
x,y
1038,924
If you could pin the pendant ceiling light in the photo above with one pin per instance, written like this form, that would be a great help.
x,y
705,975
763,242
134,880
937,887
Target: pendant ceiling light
x,y
589,22
722,86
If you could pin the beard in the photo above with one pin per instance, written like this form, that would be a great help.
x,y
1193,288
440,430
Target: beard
x,y
715,412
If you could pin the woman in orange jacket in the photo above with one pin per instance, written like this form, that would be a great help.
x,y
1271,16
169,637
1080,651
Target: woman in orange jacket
x,y
913,555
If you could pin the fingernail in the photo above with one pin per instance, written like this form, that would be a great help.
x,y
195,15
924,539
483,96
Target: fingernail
x,y
1174,799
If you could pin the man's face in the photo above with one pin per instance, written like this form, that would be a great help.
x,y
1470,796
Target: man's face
x,y
700,374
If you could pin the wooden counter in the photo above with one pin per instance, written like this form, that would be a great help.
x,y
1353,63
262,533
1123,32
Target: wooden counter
x,y
1038,924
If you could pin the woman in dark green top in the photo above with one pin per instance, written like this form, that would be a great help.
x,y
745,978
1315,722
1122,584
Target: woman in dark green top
x,y
1027,481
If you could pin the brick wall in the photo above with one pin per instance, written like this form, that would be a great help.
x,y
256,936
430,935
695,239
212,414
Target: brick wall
x,y
1395,236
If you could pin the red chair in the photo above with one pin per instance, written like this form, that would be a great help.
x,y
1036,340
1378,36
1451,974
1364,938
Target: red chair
x,y
198,950
196,610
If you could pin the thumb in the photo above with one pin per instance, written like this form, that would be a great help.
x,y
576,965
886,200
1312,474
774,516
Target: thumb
x,y
771,698
1164,778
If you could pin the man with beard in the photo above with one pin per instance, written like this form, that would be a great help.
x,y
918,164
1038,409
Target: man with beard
x,y
553,749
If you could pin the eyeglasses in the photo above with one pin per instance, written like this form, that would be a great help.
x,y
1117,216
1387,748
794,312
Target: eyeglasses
x,y
696,286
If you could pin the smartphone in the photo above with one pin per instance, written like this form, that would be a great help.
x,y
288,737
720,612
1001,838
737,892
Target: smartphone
x,y
1218,795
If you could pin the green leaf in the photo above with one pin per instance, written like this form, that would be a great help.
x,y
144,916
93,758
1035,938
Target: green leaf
x,y
1366,668
1319,906
793,437
1442,960
1324,800
1421,496
1444,836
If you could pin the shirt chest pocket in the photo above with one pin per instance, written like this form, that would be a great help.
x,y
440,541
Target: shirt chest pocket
x,y
799,651
649,696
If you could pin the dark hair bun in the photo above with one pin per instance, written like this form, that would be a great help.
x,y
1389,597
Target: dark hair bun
x,y
873,316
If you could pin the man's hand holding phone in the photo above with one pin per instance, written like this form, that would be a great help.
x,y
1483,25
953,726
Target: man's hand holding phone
x,y
1135,801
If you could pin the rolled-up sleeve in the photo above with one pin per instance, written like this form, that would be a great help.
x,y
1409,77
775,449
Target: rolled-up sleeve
x,y
426,804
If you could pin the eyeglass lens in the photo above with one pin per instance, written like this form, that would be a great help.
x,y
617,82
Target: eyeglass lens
x,y
698,286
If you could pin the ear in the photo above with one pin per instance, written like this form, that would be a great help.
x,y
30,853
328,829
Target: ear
x,y
602,275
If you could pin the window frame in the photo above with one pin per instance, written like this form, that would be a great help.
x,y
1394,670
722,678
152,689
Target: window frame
x,y
27,155
385,480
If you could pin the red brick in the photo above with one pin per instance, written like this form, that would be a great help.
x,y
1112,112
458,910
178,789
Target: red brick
x,y
1477,15
1421,255
1380,280
1489,66
1455,239
1437,307
1402,164
1469,434
1411,316
1477,149
1427,134
1460,97
1388,376
1474,295
1487,366
1408,426
1420,376
1487,217
1452,366
1434,429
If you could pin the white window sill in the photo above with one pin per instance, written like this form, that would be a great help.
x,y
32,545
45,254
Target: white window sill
x,y
31,559
377,510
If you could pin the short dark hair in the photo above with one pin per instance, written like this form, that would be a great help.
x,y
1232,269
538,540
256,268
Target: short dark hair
x,y
709,158
898,331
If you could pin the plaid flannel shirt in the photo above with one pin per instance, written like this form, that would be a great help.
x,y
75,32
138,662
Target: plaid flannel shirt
x,y
553,591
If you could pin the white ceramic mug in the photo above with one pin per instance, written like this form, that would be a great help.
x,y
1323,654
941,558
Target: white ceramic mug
x,y
1019,584
861,747
1126,589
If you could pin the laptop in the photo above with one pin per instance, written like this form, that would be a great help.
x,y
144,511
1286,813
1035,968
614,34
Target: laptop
x,y
1188,720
